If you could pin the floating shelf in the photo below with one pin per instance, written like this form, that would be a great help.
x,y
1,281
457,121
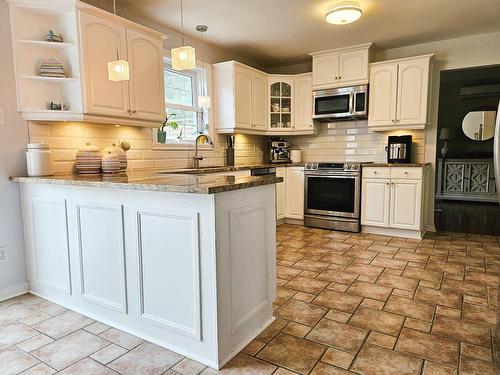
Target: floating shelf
x,y
49,79
43,43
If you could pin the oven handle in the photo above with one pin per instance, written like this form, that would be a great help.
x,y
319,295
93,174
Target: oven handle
x,y
332,174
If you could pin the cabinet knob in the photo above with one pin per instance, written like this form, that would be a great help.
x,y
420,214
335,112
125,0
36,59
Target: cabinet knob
x,y
393,121
374,172
340,77
387,183
129,111
406,172
134,111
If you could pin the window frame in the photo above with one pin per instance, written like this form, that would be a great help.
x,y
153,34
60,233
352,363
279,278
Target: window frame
x,y
198,82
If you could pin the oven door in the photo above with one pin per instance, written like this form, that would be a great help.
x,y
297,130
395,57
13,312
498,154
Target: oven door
x,y
332,194
332,104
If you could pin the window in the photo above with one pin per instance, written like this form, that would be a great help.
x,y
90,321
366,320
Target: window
x,y
181,95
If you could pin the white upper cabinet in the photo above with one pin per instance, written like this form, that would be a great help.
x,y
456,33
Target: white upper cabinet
x,y
147,98
399,93
383,94
101,41
92,39
341,67
259,100
243,96
303,102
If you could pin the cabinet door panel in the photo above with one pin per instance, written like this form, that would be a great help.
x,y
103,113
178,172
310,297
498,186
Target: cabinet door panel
x,y
383,94
147,100
303,103
353,66
375,202
406,202
259,101
100,40
413,81
325,69
243,93
281,194
295,193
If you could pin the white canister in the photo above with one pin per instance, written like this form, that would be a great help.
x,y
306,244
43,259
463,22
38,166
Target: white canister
x,y
296,156
39,159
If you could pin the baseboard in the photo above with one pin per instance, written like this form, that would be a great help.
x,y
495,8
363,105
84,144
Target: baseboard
x,y
14,291
393,232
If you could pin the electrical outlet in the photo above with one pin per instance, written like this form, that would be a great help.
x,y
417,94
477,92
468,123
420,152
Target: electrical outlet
x,y
3,254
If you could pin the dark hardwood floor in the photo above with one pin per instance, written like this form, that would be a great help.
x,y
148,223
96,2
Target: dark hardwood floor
x,y
468,217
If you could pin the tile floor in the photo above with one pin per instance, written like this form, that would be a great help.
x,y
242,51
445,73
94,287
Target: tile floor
x,y
347,304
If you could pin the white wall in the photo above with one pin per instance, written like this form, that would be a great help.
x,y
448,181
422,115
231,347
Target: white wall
x,y
13,135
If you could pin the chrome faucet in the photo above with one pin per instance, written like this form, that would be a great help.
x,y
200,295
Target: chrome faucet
x,y
196,157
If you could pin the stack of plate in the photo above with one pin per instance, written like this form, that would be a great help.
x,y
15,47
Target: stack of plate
x,y
88,160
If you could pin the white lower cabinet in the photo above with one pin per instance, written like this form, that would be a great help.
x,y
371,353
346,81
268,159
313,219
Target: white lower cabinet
x,y
392,201
281,194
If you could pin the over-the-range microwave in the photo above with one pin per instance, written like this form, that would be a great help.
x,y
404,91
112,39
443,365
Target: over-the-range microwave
x,y
345,103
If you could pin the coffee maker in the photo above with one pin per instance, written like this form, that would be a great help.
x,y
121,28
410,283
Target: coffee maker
x,y
278,151
399,149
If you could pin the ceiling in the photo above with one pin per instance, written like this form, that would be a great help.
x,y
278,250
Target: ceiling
x,y
282,32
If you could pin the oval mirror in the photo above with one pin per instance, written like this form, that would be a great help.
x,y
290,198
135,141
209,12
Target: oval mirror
x,y
479,125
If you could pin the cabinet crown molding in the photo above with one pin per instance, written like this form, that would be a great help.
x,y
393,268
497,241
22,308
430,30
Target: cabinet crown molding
x,y
428,56
349,48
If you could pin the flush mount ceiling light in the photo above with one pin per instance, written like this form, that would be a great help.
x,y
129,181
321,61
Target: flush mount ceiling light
x,y
183,58
118,70
343,13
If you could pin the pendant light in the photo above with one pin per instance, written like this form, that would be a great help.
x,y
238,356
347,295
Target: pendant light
x,y
204,98
118,70
183,58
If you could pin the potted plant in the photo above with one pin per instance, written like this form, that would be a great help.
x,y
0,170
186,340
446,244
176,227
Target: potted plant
x,y
170,123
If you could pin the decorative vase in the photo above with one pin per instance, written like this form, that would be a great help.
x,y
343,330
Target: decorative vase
x,y
162,137
88,160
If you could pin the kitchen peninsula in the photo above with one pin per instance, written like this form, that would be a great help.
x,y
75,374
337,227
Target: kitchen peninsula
x,y
185,261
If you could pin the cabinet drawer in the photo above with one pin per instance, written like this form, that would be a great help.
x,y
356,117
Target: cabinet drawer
x,y
372,172
406,172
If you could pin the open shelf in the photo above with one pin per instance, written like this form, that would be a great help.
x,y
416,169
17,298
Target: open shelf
x,y
49,79
44,43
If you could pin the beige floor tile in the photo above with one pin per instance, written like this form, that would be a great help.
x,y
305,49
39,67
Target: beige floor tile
x,y
477,352
40,369
380,339
473,333
292,353
438,297
35,318
340,277
34,343
301,312
12,333
296,329
188,367
399,282
389,263
375,320
431,368
69,349
408,307
15,311
14,360
121,338
96,328
370,290
63,324
482,278
89,367
422,274
282,371
419,325
338,358
338,300
365,270
372,303
427,346
472,366
373,359
254,347
283,295
310,265
305,284
338,316
476,313
338,335
287,273
108,354
147,358
325,369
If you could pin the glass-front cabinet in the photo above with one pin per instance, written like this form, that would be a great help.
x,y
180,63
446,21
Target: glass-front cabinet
x,y
281,104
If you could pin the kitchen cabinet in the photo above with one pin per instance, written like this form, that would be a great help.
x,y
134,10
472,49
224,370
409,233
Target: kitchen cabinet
x,y
303,102
393,200
341,67
295,193
92,38
249,101
399,93
281,193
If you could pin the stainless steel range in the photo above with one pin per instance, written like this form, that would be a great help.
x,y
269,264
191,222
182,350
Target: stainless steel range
x,y
332,196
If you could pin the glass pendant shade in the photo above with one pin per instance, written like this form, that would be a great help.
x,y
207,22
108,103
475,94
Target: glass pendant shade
x,y
118,71
204,101
183,58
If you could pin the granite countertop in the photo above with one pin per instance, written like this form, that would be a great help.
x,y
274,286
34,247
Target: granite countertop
x,y
179,181
396,165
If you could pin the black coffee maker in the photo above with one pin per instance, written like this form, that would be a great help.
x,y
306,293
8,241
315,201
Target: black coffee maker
x,y
399,149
